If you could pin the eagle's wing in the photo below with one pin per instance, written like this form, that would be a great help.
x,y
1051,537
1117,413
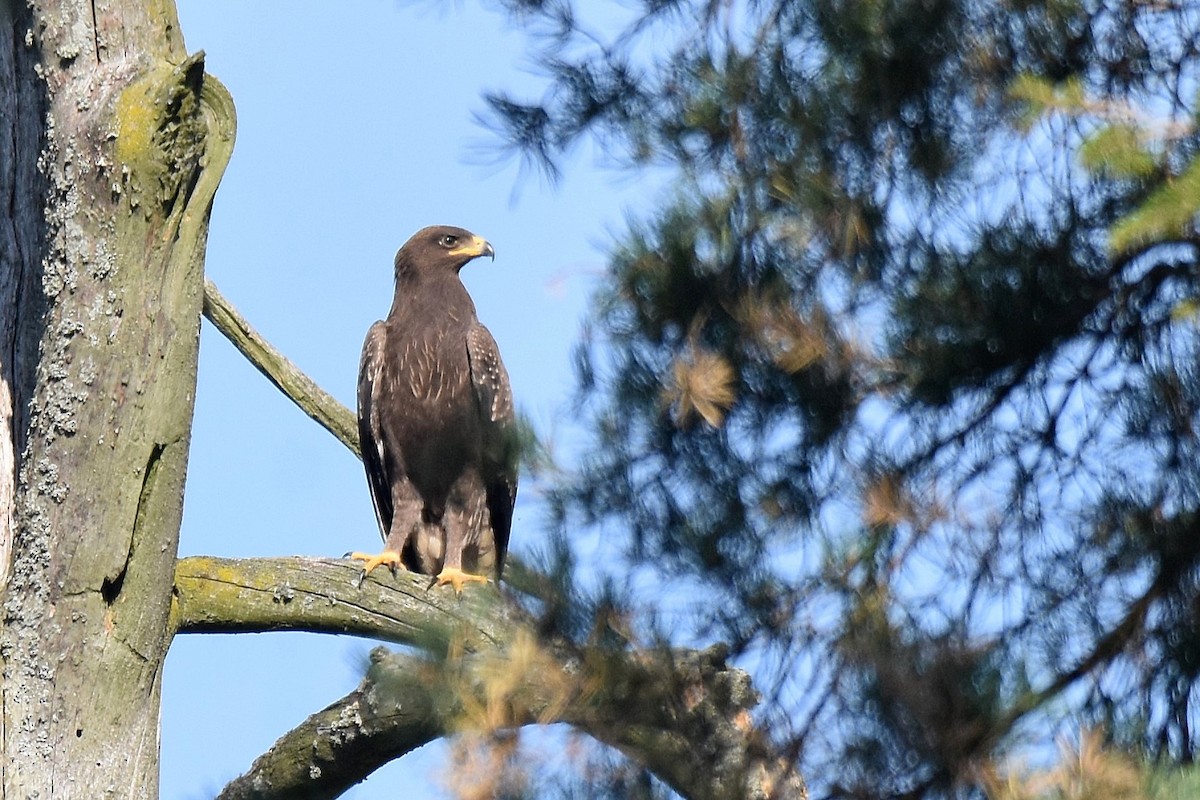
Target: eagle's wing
x,y
370,440
500,446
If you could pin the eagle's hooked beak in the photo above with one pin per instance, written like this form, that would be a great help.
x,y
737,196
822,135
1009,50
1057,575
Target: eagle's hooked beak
x,y
485,248
475,247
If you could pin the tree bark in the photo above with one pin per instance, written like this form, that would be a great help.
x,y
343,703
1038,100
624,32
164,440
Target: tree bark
x,y
326,595
684,715
110,164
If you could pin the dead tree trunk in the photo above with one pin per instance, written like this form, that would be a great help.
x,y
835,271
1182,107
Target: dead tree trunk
x,y
111,147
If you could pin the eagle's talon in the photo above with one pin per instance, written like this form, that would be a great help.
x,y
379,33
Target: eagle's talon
x,y
457,578
370,562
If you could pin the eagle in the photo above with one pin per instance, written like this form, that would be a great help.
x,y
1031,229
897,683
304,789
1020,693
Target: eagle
x,y
435,420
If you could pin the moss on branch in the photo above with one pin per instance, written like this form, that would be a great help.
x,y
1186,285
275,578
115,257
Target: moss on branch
x,y
323,595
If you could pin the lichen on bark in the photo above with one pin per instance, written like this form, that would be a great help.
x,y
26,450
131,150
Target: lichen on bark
x,y
101,306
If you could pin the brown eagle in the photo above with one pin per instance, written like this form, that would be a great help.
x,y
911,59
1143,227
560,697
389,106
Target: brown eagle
x,y
435,420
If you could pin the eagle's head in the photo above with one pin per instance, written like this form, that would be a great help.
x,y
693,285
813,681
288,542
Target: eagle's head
x,y
440,248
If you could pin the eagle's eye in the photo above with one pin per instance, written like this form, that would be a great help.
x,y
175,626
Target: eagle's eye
x,y
449,240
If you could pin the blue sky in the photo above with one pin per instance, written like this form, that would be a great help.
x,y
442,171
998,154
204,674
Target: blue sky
x,y
355,128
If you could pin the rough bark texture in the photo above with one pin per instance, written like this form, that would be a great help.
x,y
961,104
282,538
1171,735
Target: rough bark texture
x,y
22,232
337,747
325,595
117,146
684,715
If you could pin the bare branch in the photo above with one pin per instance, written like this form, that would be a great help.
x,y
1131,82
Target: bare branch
x,y
312,399
222,595
390,714
684,715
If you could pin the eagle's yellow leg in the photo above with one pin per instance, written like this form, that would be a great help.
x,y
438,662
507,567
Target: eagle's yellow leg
x,y
370,562
457,578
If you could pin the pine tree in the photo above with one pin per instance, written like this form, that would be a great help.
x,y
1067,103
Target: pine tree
x,y
896,393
